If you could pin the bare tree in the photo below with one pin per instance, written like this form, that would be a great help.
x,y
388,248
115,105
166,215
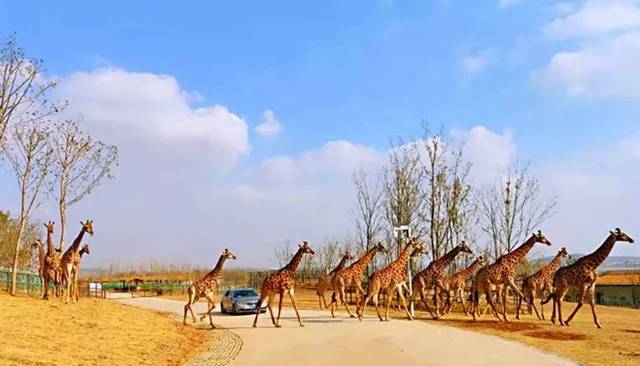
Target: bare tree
x,y
22,89
328,255
283,253
448,209
402,182
369,210
29,155
513,208
80,165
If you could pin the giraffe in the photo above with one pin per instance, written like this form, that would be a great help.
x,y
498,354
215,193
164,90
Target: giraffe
x,y
280,282
324,282
76,269
582,274
433,277
390,280
70,257
351,277
502,274
206,288
539,282
52,270
456,284
41,260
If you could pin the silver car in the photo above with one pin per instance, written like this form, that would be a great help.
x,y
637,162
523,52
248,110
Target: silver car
x,y
241,300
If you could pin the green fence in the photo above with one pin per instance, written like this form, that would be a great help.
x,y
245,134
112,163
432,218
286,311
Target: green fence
x,y
27,281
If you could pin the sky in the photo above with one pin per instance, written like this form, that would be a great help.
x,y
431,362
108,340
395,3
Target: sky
x,y
240,123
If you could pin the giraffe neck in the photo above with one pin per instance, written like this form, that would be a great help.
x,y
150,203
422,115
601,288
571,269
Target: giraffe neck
x,y
341,264
218,268
364,261
82,252
295,261
76,243
41,254
50,247
446,259
404,256
554,264
521,251
596,258
469,270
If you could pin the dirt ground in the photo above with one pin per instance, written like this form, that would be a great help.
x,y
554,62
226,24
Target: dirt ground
x,y
618,343
92,332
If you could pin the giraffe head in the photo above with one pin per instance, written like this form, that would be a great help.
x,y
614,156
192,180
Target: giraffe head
x,y
380,248
306,248
36,244
87,226
227,254
49,225
563,252
618,235
347,255
85,249
418,248
540,238
464,248
481,260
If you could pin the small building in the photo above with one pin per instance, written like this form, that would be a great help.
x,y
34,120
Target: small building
x,y
618,288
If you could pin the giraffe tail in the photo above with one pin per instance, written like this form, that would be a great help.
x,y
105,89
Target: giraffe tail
x,y
551,296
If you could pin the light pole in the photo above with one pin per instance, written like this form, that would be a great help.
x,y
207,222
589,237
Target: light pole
x,y
401,233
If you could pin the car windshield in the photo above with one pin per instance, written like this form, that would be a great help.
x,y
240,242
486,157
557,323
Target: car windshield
x,y
244,293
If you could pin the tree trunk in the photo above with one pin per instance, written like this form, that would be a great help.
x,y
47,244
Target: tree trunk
x,y
14,272
63,224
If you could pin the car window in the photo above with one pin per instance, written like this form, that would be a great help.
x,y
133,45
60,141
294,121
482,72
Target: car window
x,y
245,293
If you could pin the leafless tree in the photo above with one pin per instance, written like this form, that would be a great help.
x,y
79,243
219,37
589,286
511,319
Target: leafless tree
x,y
328,255
283,253
29,155
23,90
512,208
448,207
369,210
80,165
402,182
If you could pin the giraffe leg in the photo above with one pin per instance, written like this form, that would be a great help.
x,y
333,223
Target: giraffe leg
x,y
343,299
390,291
559,300
295,307
363,304
212,305
278,325
375,302
592,303
258,307
531,301
423,297
489,296
583,291
332,305
465,309
45,295
404,304
187,307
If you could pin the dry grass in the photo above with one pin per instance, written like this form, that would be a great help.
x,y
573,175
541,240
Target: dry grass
x,y
92,332
618,343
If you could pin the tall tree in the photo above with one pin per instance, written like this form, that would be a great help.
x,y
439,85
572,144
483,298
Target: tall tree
x,y
402,183
369,209
512,208
81,164
23,90
29,155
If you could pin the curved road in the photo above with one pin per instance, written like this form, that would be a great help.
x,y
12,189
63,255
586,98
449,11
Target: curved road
x,y
324,341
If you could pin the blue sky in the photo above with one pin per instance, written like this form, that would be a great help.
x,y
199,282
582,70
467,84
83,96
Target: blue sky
x,y
362,72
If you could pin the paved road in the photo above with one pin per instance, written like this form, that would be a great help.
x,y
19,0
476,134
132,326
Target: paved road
x,y
325,341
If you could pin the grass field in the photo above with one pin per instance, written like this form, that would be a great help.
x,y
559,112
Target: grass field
x,y
618,343
92,332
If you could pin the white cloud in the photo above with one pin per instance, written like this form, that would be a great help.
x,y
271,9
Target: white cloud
x,y
597,17
608,68
490,153
508,3
155,108
473,63
270,126
606,62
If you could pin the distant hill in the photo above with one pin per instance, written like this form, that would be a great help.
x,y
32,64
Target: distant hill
x,y
611,263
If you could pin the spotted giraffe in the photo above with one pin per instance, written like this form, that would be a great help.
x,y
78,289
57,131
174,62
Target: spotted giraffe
x,y
41,260
280,282
582,274
502,274
70,258
351,277
539,282
325,281
433,277
206,288
52,269
457,283
390,280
